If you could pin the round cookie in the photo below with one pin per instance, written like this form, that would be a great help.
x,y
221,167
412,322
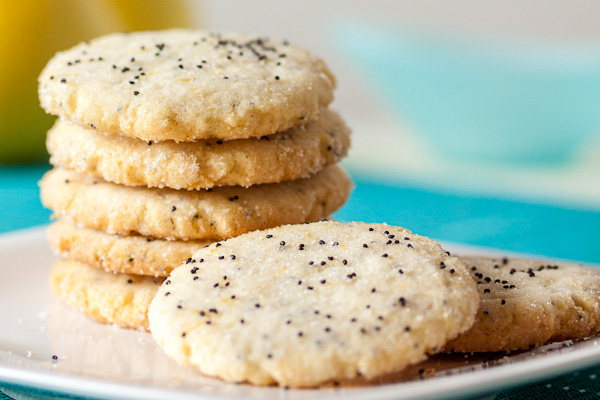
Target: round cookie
x,y
124,254
288,155
528,303
185,85
303,304
119,299
180,214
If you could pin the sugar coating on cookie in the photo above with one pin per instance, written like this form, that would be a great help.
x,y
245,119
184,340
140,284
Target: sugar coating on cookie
x,y
528,303
303,304
130,254
201,214
295,153
185,85
118,299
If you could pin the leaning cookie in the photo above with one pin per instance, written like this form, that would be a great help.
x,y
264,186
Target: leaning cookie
x,y
303,304
296,153
186,85
528,303
132,254
118,299
181,214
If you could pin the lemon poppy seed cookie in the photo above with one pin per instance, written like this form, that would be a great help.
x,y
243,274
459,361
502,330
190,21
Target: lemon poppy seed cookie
x,y
205,214
119,299
185,85
528,303
288,155
130,254
303,304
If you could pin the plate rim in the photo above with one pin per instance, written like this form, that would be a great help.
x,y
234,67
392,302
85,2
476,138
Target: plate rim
x,y
480,382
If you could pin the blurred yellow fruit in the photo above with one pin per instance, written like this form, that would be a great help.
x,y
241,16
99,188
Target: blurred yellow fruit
x,y
31,31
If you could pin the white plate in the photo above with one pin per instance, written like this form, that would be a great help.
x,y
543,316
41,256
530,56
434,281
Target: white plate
x,y
96,360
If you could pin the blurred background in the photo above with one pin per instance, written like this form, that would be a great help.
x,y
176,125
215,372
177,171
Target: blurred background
x,y
474,122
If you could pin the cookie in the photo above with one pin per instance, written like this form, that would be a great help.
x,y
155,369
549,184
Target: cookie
x,y
303,304
119,299
296,153
527,303
207,214
186,85
132,254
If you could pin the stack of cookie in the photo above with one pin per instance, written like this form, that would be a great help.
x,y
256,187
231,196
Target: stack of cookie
x,y
169,141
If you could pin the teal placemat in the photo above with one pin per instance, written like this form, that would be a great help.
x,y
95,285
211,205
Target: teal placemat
x,y
19,197
541,229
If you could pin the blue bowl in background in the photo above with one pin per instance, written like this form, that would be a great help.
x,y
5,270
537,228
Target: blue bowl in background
x,y
482,100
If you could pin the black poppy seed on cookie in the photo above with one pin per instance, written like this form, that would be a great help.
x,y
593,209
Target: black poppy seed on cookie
x,y
365,245
402,301
299,282
311,262
410,246
384,255
63,80
309,287
323,281
213,310
168,293
323,263
345,262
129,281
321,242
300,246
373,290
503,302
486,290
330,258
136,93
371,229
388,242
269,236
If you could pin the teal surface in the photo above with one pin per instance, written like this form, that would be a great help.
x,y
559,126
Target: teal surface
x,y
20,205
540,229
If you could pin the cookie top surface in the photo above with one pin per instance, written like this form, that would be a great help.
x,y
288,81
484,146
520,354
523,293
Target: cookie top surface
x,y
185,85
118,299
303,304
131,254
217,213
529,303
295,153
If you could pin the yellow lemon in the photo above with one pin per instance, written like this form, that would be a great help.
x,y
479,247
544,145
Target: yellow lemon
x,y
31,31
